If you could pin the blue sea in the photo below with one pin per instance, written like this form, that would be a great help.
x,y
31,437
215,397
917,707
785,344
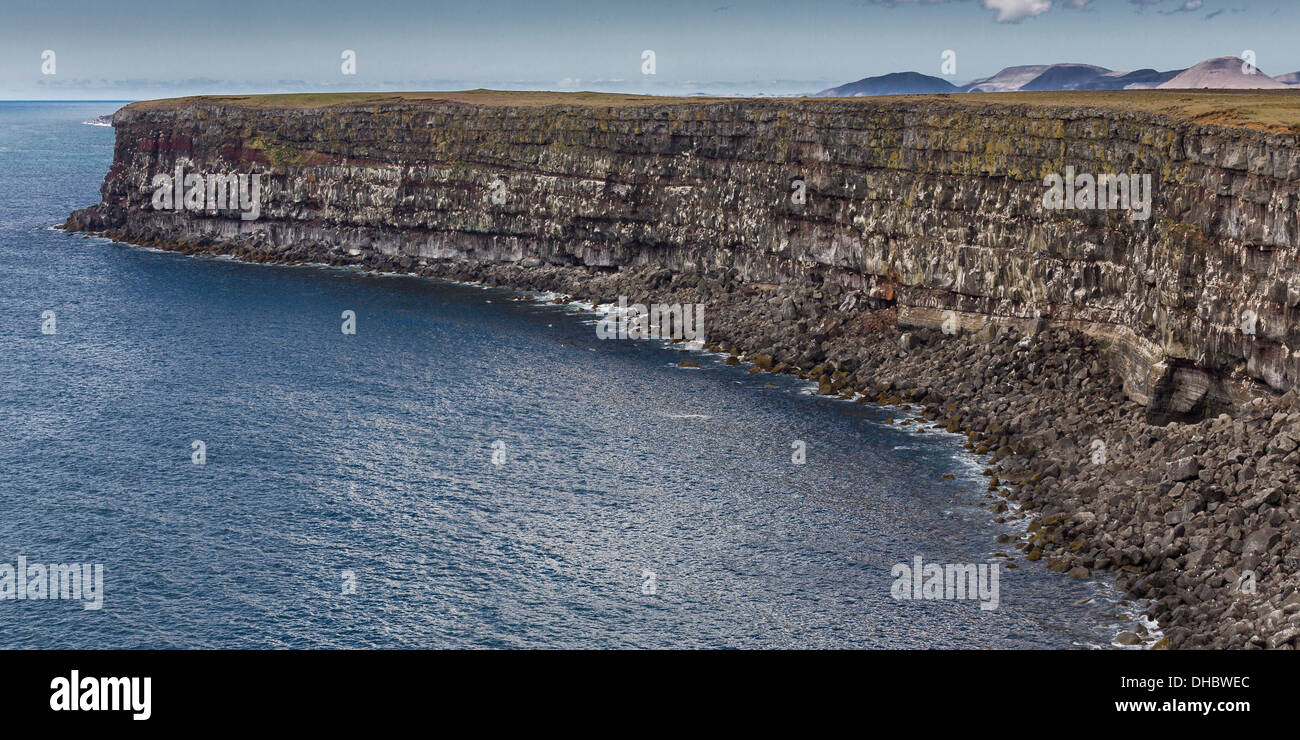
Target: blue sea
x,y
465,471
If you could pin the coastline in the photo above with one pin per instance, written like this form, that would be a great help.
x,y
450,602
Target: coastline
x,y
1033,402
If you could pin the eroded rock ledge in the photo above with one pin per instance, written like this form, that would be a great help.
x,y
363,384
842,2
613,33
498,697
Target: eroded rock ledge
x,y
928,205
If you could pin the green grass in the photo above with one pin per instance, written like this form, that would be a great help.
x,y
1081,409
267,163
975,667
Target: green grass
x,y
470,97
1267,110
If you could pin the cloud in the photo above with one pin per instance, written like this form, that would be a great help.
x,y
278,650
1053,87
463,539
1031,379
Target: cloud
x,y
1009,11
1014,11
1221,11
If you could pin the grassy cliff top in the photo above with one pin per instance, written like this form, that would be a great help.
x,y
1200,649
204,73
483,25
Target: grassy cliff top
x,y
1268,110
469,97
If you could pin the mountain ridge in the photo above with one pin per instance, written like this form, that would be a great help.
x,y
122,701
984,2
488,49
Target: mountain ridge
x,y
1220,73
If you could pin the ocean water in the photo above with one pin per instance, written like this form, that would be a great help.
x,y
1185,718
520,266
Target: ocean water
x,y
350,496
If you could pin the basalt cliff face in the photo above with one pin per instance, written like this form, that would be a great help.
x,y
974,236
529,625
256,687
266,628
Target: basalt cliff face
x,y
929,205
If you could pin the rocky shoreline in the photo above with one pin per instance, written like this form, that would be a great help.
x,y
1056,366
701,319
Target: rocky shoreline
x,y
1200,519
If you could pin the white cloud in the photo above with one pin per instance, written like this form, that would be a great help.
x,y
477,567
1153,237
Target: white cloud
x,y
1013,11
1009,11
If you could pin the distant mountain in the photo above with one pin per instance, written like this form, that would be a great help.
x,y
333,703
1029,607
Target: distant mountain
x,y
895,83
1217,73
1220,73
1066,77
1138,79
1008,80
1069,76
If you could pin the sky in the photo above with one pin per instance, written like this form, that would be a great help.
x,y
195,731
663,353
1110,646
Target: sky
x,y
130,49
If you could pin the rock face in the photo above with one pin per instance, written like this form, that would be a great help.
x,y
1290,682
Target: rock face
x,y
930,206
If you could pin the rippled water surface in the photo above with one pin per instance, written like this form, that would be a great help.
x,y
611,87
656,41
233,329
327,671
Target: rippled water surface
x,y
373,454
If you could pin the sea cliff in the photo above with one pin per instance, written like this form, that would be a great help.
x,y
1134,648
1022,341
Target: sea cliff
x,y
930,205
895,250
